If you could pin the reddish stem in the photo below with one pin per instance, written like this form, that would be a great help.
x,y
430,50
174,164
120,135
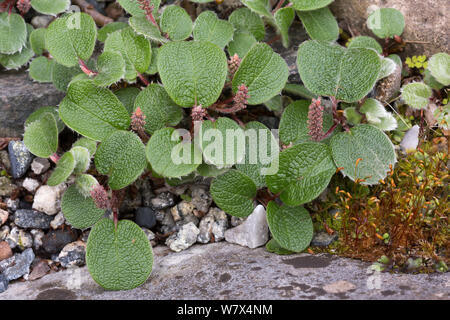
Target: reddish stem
x,y
143,79
279,4
85,69
55,158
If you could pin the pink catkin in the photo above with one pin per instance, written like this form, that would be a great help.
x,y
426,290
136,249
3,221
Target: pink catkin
x,y
23,6
315,120
240,100
198,113
100,197
137,120
233,64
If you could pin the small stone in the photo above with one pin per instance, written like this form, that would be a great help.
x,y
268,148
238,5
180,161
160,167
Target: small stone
x,y
6,187
30,184
47,199
5,251
73,254
145,217
85,235
150,235
39,270
4,160
54,241
38,235
339,287
183,213
253,233
18,238
163,200
164,217
236,221
4,232
201,199
184,238
12,204
58,221
3,216
3,283
323,239
32,219
41,21
21,265
215,223
20,158
40,165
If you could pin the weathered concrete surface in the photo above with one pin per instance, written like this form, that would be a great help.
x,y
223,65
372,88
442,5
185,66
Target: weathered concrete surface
x,y
19,97
426,20
227,271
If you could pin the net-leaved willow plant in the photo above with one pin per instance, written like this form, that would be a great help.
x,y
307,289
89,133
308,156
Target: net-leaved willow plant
x,y
133,130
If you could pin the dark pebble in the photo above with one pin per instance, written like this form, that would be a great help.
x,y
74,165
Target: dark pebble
x,y
323,239
20,158
32,219
25,205
163,200
145,217
54,241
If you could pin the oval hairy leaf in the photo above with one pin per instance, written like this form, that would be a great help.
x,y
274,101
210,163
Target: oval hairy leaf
x,y
13,33
37,40
209,28
121,156
110,28
233,192
133,6
87,143
111,68
284,18
320,24
127,96
274,247
118,258
241,44
439,66
291,227
51,7
308,5
80,211
63,170
39,113
169,156
192,72
71,37
143,27
62,75
92,111
305,170
82,159
41,69
245,20
261,7
386,23
19,58
263,71
365,42
331,70
176,22
41,136
368,144
160,111
417,95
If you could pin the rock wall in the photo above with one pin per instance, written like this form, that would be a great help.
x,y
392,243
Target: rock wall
x,y
426,20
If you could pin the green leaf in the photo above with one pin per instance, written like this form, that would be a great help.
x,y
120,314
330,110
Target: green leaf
x,y
127,96
352,115
118,258
176,22
37,40
320,24
388,67
233,192
396,58
19,58
39,113
87,143
68,42
294,123
261,148
299,90
13,33
387,123
263,71
308,5
222,142
135,51
51,7
209,28
275,103
209,170
153,67
192,72
133,6
160,111
261,7
41,69
374,110
80,211
365,42
110,28
386,23
305,170
41,136
84,185
111,68
63,170
142,26
369,144
92,111
169,156
246,21
439,66
284,18
62,75
331,70
291,227
274,247
431,81
121,156
82,159
417,95
241,44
